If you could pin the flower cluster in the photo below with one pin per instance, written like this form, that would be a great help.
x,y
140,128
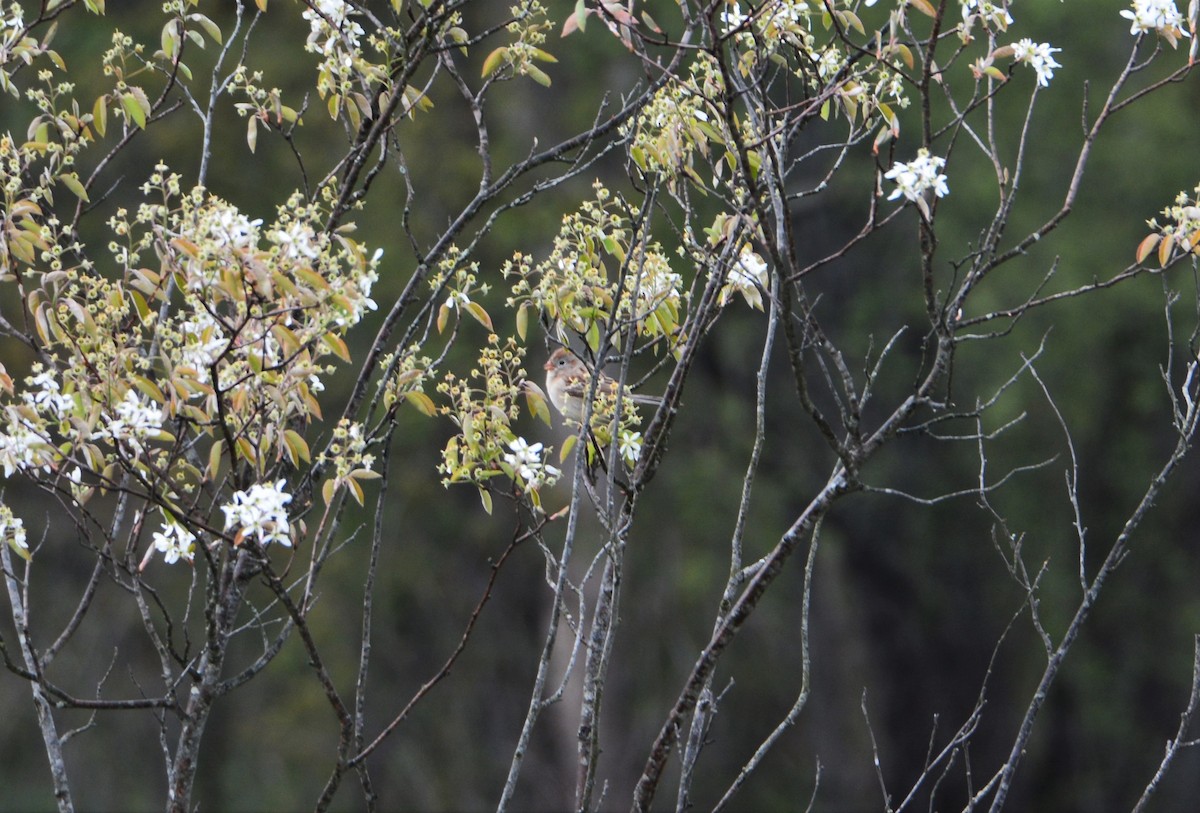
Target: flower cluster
x,y
748,277
174,542
1161,16
261,512
679,123
263,302
629,446
1039,56
336,37
351,462
915,178
23,444
991,15
595,273
12,531
484,408
130,422
1181,231
526,464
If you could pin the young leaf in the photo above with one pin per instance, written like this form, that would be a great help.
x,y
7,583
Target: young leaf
x,y
133,110
71,181
1164,252
481,316
538,75
1146,246
422,402
494,60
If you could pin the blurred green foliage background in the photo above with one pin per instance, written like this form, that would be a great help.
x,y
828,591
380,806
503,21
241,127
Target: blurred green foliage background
x,y
909,600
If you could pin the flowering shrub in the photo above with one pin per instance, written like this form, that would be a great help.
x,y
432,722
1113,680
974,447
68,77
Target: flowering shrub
x,y
214,388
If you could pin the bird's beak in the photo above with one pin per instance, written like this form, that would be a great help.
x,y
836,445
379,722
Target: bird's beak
x,y
548,366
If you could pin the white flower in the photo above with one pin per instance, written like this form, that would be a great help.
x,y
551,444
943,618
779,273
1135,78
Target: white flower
x,y
526,460
21,447
630,446
1039,56
746,276
44,394
329,13
260,512
831,61
297,242
203,340
132,421
12,528
917,176
994,14
232,229
1156,15
175,542
733,18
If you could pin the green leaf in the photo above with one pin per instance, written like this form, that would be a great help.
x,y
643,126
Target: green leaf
x,y
924,7
252,133
494,60
170,39
538,75
24,553
422,402
214,460
71,181
536,400
212,29
486,498
149,389
523,320
297,444
133,109
481,316
567,446
328,488
100,114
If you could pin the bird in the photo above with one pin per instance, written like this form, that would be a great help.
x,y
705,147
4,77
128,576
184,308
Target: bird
x,y
568,381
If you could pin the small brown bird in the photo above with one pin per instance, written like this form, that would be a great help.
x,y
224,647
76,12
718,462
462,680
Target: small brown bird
x,y
568,380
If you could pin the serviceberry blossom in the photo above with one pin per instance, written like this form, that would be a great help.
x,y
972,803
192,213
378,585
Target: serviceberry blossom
x,y
260,512
630,446
329,22
733,17
45,395
991,14
1156,15
526,460
175,542
203,341
297,242
134,422
915,177
746,277
12,24
12,528
21,447
1039,56
232,229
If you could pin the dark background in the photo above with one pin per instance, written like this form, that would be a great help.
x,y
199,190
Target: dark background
x,y
909,601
